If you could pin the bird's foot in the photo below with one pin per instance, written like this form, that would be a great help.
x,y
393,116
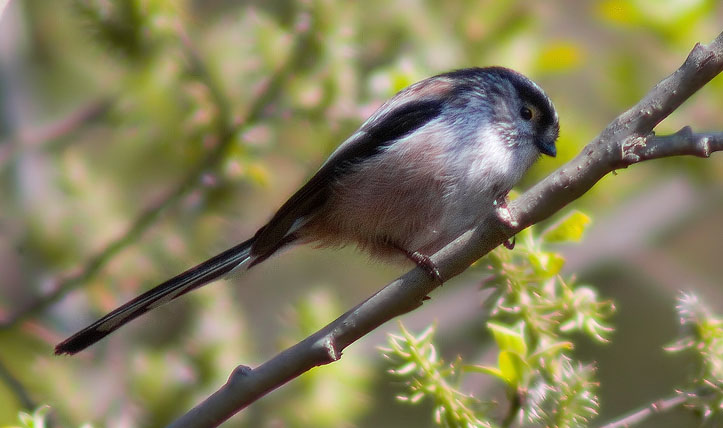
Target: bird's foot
x,y
425,263
510,243
504,214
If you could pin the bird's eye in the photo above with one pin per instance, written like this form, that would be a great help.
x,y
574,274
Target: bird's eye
x,y
526,113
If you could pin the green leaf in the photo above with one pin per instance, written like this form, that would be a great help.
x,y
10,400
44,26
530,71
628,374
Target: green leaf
x,y
489,370
34,420
546,264
509,339
569,229
513,367
25,419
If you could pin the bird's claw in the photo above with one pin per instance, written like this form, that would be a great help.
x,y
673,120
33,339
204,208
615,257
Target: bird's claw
x,y
425,263
510,243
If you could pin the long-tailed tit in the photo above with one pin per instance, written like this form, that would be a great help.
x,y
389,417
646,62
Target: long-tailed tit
x,y
428,165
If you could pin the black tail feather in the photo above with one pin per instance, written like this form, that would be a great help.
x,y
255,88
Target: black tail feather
x,y
179,285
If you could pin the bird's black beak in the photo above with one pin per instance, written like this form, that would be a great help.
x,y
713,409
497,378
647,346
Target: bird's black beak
x,y
547,138
547,147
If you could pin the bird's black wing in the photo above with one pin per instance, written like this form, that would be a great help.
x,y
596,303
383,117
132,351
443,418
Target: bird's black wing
x,y
374,136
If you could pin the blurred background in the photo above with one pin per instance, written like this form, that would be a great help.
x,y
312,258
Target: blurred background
x,y
140,137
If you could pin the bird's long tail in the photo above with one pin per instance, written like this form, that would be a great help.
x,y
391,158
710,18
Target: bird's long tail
x,y
191,279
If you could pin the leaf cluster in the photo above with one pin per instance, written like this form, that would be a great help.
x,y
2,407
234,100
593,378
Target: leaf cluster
x,y
702,336
534,316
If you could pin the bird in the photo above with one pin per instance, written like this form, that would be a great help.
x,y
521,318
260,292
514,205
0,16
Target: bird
x,y
426,166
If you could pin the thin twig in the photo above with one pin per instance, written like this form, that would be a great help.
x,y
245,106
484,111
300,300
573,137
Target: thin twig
x,y
198,68
47,137
16,387
83,116
629,134
513,410
654,408
190,181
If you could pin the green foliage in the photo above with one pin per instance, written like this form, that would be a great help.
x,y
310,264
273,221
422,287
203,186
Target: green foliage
x,y
565,397
534,313
129,27
417,360
569,228
34,420
512,366
544,384
533,290
670,19
702,336
37,419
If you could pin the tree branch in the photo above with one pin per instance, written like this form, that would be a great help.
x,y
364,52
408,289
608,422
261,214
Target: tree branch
x,y
654,408
683,142
224,134
627,140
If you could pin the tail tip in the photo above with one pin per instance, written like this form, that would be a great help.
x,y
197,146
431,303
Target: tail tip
x,y
77,343
64,348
